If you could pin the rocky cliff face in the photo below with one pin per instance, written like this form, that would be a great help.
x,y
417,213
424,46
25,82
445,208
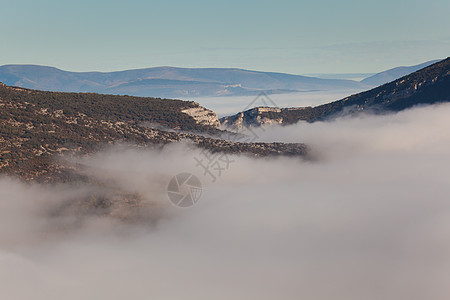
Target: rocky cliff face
x,y
203,116
258,116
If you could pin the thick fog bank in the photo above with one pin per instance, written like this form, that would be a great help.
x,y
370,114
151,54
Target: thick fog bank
x,y
369,220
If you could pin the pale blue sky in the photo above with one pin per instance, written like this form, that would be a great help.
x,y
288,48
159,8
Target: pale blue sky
x,y
327,36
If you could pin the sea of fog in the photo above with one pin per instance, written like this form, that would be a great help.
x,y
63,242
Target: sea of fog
x,y
369,219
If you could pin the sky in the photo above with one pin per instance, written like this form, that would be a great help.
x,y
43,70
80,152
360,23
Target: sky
x,y
297,37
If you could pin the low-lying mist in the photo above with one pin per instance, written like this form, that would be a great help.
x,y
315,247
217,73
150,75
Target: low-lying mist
x,y
369,219
227,105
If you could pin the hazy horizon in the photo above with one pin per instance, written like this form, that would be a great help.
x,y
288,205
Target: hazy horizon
x,y
356,76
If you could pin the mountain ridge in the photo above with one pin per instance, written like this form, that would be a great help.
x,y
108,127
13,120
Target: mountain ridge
x,y
38,127
202,81
427,86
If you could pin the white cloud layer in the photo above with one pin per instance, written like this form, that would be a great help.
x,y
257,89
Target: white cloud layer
x,y
369,220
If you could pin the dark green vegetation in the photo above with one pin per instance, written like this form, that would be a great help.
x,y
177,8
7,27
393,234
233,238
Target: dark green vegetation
x,y
109,107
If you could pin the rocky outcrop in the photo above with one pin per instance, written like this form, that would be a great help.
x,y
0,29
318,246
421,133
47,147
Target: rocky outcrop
x,y
258,116
203,116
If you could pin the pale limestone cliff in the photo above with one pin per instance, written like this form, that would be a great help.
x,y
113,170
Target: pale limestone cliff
x,y
203,116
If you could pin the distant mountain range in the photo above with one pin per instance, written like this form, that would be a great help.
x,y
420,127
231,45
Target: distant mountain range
x,y
348,76
168,82
376,79
427,86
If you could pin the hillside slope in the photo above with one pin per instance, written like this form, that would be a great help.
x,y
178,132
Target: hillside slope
x,y
395,73
426,86
36,127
